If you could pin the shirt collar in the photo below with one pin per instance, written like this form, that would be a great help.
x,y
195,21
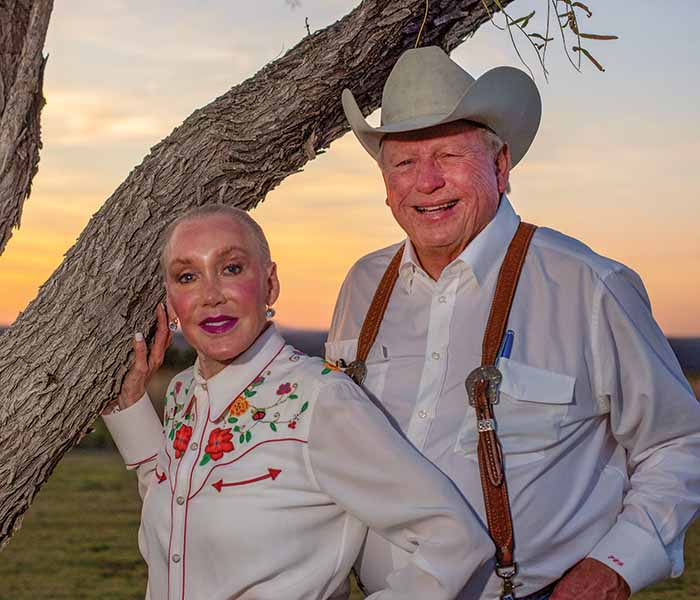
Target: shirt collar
x,y
482,254
224,387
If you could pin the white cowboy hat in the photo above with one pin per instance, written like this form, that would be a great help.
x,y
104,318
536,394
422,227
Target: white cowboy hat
x,y
426,88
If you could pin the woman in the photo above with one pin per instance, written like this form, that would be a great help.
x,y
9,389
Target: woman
x,y
271,464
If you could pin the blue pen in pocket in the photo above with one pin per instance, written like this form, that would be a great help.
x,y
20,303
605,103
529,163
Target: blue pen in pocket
x,y
506,345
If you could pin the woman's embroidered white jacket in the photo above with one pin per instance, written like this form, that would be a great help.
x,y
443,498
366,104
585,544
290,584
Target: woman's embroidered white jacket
x,y
263,479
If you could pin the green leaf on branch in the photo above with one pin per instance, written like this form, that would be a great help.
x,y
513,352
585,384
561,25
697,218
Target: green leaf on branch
x,y
588,55
595,36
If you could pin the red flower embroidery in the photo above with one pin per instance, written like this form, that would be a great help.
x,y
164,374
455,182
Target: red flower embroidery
x,y
219,442
181,440
284,388
292,424
259,380
178,387
259,414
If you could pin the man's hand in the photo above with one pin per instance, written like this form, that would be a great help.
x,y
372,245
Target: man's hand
x,y
591,580
145,364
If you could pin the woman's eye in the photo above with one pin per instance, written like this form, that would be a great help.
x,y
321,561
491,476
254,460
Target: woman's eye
x,y
233,269
185,277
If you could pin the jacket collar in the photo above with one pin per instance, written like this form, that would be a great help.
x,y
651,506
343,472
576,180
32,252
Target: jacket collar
x,y
481,256
224,387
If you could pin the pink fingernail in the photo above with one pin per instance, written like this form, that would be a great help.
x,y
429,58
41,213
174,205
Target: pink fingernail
x,y
138,336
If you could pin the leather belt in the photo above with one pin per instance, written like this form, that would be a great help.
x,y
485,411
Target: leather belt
x,y
482,390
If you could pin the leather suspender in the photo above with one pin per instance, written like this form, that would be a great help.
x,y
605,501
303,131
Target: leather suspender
x,y
357,369
482,390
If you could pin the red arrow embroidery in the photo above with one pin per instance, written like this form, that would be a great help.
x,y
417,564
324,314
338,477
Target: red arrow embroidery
x,y
271,474
160,476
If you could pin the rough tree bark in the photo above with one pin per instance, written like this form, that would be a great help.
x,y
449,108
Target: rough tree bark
x,y
23,25
64,358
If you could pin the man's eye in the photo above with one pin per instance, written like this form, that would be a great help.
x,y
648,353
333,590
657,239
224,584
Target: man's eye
x,y
185,278
233,269
404,163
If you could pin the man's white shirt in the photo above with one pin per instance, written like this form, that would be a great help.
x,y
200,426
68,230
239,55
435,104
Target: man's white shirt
x,y
600,429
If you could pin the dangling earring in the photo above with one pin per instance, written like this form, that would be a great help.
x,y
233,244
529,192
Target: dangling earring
x,y
173,325
270,312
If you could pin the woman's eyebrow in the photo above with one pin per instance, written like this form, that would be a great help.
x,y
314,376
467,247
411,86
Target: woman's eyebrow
x,y
232,250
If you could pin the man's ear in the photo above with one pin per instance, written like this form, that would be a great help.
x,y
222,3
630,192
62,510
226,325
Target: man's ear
x,y
503,168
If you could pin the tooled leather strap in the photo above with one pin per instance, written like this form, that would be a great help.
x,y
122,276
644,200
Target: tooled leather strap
x,y
484,381
370,327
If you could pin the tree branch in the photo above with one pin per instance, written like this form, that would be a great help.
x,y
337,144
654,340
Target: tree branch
x,y
22,35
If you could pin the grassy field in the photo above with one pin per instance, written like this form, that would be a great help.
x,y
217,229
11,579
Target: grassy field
x,y
78,541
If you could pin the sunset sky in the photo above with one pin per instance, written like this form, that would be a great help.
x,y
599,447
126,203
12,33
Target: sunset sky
x,y
614,163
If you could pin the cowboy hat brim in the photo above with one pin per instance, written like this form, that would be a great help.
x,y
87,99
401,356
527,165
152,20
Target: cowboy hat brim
x,y
503,99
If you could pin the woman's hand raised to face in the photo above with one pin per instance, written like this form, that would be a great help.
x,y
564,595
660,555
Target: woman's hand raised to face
x,y
145,363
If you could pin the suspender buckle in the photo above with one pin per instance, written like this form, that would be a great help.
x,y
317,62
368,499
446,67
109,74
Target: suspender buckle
x,y
491,375
357,371
507,574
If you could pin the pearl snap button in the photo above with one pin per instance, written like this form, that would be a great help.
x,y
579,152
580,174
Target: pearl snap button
x,y
436,355
180,500
176,558
422,414
194,445
442,299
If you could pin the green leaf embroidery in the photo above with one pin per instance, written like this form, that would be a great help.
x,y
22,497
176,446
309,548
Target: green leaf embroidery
x,y
236,428
292,396
248,436
273,427
325,371
205,459
180,424
304,407
233,420
241,439
172,433
249,393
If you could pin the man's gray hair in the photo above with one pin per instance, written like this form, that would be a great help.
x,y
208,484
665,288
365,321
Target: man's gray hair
x,y
208,210
491,139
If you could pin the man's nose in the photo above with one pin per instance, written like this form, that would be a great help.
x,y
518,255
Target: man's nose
x,y
429,177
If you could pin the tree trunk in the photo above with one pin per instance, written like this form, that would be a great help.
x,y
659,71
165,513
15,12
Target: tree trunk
x,y
23,25
64,358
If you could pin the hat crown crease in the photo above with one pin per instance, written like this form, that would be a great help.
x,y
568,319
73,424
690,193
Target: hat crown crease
x,y
423,84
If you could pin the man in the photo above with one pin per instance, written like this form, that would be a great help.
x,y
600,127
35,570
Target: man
x,y
599,430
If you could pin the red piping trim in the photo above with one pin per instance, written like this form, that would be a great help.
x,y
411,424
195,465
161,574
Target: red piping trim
x,y
145,460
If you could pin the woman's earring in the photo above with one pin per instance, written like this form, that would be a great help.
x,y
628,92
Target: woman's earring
x,y
270,312
173,325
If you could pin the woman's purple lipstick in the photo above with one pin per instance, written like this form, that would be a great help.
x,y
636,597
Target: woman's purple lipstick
x,y
218,324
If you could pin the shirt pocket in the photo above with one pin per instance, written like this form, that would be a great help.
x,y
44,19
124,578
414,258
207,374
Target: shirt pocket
x,y
377,362
532,403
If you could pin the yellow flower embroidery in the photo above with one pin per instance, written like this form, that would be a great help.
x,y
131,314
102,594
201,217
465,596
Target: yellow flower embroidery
x,y
240,406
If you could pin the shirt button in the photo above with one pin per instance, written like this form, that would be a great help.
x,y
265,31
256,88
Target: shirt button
x,y
194,445
442,299
422,413
435,355
204,386
180,500
176,558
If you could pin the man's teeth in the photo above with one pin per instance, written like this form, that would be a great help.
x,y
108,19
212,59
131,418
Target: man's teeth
x,y
424,209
